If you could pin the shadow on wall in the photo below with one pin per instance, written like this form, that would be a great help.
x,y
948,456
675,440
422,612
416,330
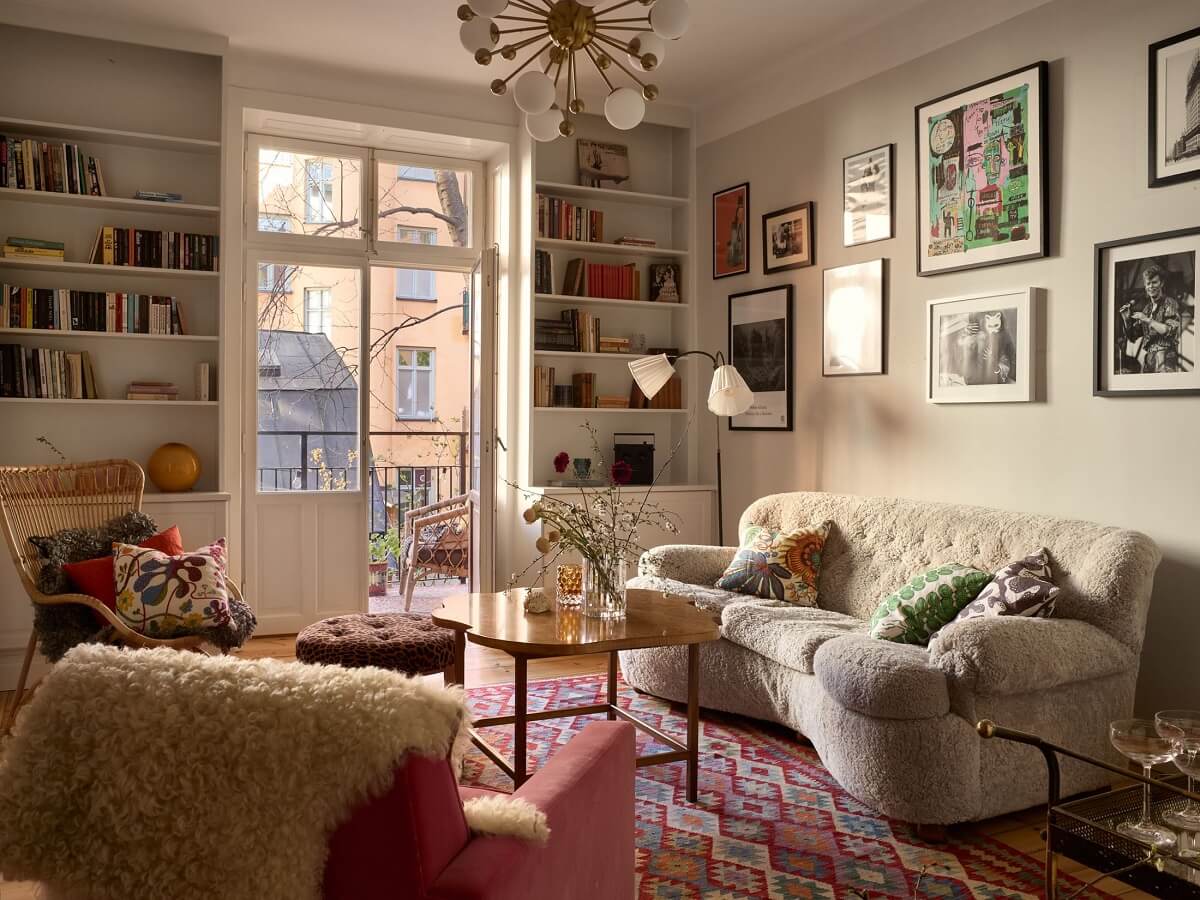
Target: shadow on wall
x,y
1171,635
857,412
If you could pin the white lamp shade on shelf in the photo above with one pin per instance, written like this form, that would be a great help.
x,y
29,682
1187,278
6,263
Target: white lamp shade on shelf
x,y
729,394
477,35
487,8
669,18
624,108
544,126
533,93
651,373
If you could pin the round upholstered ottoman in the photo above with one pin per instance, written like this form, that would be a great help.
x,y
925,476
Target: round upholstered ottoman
x,y
403,642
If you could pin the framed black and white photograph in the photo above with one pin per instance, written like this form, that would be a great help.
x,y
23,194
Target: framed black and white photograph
x,y
982,188
1175,109
868,202
853,320
760,348
982,349
788,238
1146,315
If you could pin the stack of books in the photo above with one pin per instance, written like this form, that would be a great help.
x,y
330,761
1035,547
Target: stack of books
x,y
563,220
630,240
585,328
613,345
30,165
159,196
39,372
613,282
554,334
59,309
611,401
583,389
34,248
118,246
543,386
152,390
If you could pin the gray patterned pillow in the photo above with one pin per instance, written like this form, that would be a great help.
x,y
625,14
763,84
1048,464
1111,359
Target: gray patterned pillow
x,y
1022,588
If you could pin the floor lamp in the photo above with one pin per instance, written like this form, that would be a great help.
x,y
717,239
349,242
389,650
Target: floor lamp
x,y
729,395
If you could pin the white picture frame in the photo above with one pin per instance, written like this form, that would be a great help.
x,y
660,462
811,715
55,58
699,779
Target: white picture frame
x,y
853,322
982,348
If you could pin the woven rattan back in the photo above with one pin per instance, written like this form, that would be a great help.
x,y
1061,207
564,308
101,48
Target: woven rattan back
x,y
40,500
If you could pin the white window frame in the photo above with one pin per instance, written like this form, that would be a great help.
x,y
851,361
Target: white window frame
x,y
432,369
326,311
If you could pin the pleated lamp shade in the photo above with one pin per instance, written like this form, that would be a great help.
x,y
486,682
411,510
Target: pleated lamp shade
x,y
729,394
651,373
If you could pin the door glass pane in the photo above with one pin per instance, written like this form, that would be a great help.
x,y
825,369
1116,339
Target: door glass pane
x,y
307,392
420,205
304,193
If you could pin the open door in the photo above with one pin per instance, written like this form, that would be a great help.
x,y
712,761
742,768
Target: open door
x,y
483,303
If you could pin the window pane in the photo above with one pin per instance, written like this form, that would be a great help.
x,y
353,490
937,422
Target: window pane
x,y
308,338
413,200
302,193
424,358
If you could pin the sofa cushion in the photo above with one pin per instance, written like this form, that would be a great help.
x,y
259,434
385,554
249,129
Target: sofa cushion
x,y
881,678
783,633
778,565
700,595
916,610
1022,588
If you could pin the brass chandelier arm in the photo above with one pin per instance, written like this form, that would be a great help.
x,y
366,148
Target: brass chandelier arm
x,y
591,52
624,48
513,48
627,28
527,7
612,8
536,53
618,64
605,22
519,30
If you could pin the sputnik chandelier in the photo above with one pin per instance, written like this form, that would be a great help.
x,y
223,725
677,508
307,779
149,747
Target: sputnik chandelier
x,y
559,30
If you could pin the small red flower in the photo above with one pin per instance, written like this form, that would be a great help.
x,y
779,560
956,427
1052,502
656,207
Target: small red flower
x,y
561,462
621,472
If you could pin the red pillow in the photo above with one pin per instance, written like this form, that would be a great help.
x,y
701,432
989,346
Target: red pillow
x,y
97,577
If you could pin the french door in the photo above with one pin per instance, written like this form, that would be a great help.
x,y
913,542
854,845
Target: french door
x,y
482,430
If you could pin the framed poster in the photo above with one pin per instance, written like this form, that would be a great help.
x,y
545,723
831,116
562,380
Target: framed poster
x,y
731,250
1146,315
868,203
788,238
852,320
981,349
1175,109
982,193
760,348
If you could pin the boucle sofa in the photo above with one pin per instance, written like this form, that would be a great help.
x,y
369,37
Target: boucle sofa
x,y
894,724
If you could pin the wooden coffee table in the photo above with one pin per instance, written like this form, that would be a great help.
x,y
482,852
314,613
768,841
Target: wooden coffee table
x,y
652,620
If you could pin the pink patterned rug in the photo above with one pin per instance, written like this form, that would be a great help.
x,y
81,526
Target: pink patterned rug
x,y
770,821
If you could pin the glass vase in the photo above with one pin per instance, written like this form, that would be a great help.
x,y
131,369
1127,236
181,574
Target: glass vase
x,y
604,589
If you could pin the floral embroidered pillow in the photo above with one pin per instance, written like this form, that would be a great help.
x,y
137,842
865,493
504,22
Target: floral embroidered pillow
x,y
164,596
1022,588
778,565
926,602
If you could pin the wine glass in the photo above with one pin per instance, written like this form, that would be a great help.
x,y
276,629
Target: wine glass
x,y
1182,728
1139,740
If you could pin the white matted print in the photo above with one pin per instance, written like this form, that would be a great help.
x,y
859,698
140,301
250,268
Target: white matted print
x,y
981,349
867,200
852,342
1175,108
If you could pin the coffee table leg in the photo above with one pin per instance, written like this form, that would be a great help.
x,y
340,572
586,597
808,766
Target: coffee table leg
x,y
693,720
460,655
520,709
612,684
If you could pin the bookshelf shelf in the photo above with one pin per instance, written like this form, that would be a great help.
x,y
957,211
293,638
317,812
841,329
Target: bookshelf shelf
x,y
588,410
122,203
182,404
608,195
608,301
612,249
66,131
575,354
100,269
106,335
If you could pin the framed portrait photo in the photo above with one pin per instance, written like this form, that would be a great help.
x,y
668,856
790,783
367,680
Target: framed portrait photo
x,y
982,349
1175,109
788,238
852,320
1146,315
982,191
731,215
868,203
760,348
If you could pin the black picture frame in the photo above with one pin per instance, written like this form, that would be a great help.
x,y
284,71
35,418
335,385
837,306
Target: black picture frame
x,y
789,357
882,314
1043,159
744,189
891,163
1099,322
1154,179
810,242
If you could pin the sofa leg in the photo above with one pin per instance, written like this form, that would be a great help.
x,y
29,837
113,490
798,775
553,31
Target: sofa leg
x,y
931,834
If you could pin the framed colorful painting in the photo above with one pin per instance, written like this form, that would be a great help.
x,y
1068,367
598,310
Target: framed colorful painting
x,y
1175,109
982,191
731,246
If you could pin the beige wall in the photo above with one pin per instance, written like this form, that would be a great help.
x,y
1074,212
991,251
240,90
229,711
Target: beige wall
x,y
1127,462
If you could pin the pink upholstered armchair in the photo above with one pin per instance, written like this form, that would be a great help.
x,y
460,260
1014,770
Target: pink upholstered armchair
x,y
412,842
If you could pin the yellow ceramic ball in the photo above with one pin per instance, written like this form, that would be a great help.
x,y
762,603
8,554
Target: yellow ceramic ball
x,y
174,467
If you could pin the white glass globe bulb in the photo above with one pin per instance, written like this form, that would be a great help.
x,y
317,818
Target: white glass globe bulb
x,y
477,35
648,43
624,108
487,8
669,18
544,126
533,93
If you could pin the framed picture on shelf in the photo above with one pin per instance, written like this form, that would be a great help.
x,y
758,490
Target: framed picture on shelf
x,y
1175,109
981,349
731,212
666,283
868,203
788,238
852,320
982,190
1145,327
760,348
603,165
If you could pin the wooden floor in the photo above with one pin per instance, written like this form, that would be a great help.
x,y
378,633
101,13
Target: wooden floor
x,y
1021,831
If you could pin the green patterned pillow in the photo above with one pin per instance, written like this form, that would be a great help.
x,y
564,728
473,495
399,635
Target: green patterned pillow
x,y
919,608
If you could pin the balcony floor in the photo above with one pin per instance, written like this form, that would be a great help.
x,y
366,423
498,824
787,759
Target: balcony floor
x,y
427,597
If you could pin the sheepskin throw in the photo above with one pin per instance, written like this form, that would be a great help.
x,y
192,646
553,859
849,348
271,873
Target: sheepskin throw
x,y
72,545
174,776
505,816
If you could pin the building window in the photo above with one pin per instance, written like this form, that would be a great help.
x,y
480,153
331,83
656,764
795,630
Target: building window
x,y
416,284
318,311
318,191
414,383
415,173
275,277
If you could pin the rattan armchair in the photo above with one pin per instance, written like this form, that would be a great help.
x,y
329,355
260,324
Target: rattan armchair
x,y
436,540
40,500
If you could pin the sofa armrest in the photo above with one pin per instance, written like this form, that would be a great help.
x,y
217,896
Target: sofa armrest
x,y
1020,654
689,563
881,679
586,792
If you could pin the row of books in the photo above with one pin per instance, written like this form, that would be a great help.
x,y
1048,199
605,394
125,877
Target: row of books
x,y
152,390
575,331
31,165
33,248
543,386
608,280
613,344
118,246
40,372
669,397
563,220
114,312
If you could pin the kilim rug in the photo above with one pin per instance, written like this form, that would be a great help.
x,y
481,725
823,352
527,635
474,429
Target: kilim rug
x,y
770,821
